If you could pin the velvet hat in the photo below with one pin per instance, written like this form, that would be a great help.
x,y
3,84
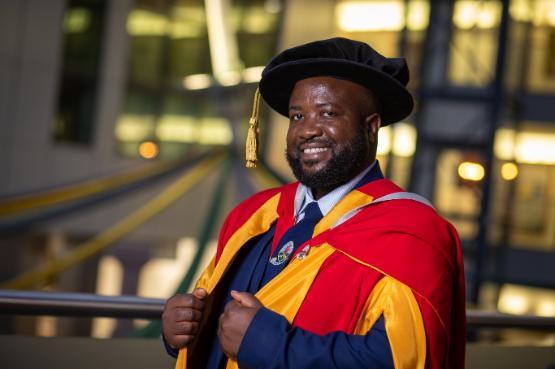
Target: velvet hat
x,y
342,58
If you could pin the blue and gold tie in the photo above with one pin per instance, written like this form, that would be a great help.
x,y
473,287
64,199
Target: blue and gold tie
x,y
292,239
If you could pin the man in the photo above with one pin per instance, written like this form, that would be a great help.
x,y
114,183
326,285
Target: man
x,y
341,270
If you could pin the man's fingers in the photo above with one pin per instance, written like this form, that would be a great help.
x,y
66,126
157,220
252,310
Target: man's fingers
x,y
246,299
185,328
188,301
187,315
180,340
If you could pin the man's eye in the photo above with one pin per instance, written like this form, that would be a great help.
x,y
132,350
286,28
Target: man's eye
x,y
297,116
329,114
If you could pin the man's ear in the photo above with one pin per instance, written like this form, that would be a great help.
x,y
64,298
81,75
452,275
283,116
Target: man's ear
x,y
373,123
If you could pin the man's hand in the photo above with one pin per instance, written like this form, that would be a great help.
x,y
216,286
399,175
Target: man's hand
x,y
235,320
181,318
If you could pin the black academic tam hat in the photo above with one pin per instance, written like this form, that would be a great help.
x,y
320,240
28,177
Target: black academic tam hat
x,y
342,58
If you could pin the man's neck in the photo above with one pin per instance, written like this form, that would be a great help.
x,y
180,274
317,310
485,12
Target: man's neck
x,y
328,201
318,193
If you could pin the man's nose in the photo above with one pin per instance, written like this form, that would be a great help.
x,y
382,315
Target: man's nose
x,y
311,127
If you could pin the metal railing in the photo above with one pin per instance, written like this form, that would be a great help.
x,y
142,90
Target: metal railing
x,y
90,305
79,304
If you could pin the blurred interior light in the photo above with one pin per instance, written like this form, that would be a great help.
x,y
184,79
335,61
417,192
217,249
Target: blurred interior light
x,y
546,308
525,147
177,128
404,139
520,10
362,16
257,20
131,127
187,21
384,141
489,16
222,41
197,81
418,15
230,78
543,13
480,14
252,74
470,171
272,6
184,30
149,150
214,131
513,300
189,13
517,299
109,281
509,171
535,148
77,20
504,144
551,16
188,129
513,304
46,326
146,23
465,14
171,270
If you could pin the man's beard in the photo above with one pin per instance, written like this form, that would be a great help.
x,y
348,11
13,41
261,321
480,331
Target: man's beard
x,y
342,167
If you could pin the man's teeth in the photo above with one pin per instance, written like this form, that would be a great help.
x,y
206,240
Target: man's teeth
x,y
314,150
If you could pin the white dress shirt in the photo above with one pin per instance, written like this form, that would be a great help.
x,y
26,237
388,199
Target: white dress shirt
x,y
304,196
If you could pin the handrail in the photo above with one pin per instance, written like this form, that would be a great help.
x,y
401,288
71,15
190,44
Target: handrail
x,y
16,302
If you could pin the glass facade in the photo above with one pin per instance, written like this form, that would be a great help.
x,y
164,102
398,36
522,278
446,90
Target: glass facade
x,y
535,20
395,29
524,201
83,28
185,75
473,45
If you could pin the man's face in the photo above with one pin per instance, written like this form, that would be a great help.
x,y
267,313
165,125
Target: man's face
x,y
332,131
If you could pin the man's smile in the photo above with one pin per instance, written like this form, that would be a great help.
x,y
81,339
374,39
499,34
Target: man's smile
x,y
314,150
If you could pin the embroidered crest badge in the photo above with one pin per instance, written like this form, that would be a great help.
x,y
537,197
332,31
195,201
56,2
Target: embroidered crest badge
x,y
283,254
304,252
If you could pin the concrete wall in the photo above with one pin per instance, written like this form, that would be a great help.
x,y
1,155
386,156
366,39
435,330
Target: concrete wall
x,y
30,59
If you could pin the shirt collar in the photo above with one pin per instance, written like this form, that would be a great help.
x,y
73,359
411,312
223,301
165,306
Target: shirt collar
x,y
303,197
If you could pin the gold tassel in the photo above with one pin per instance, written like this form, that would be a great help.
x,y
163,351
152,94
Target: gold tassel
x,y
251,147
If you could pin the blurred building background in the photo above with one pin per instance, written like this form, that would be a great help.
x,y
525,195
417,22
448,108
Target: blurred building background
x,y
122,128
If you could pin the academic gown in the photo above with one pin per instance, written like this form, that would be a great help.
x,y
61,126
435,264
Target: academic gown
x,y
393,266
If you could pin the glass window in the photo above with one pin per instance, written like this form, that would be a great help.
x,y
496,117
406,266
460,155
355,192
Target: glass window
x,y
82,36
380,24
179,83
457,189
394,28
537,21
474,42
523,202
396,147
256,22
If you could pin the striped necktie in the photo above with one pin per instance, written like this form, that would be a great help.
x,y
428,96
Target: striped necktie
x,y
292,239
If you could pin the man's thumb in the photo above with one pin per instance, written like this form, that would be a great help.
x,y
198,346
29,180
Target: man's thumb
x,y
246,299
200,293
